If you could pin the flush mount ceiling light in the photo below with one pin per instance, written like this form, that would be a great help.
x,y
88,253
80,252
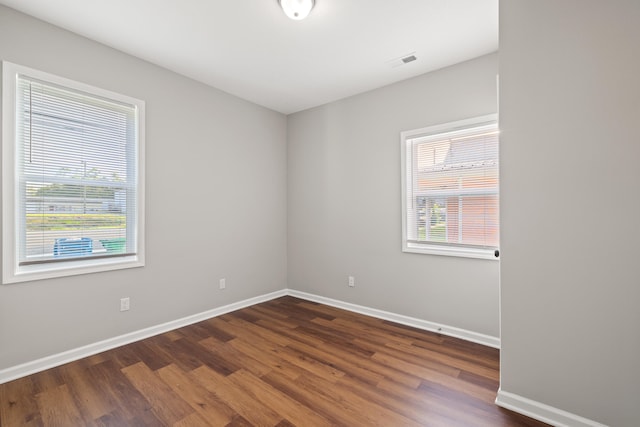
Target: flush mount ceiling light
x,y
296,9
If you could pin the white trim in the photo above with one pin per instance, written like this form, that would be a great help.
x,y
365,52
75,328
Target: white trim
x,y
459,251
28,368
12,271
425,134
540,411
8,168
451,128
426,325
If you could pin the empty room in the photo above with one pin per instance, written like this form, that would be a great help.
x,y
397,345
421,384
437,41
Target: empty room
x,y
320,212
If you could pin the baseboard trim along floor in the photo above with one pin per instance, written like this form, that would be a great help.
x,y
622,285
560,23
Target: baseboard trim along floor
x,y
522,405
44,363
404,320
54,360
541,412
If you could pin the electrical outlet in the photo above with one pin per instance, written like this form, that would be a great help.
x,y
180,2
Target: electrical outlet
x,y
223,283
352,281
124,304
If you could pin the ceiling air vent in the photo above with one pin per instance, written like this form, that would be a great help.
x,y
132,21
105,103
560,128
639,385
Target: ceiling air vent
x,y
401,60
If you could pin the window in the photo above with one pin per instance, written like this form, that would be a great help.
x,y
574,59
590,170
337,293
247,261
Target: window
x,y
73,197
450,189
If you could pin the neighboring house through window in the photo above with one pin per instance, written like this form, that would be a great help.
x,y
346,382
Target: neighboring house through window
x,y
73,188
450,189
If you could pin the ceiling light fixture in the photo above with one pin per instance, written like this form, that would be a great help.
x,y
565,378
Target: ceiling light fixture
x,y
296,9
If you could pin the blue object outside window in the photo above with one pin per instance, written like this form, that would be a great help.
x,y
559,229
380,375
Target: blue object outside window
x,y
72,247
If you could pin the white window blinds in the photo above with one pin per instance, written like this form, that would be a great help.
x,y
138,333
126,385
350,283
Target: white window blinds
x,y
451,187
76,162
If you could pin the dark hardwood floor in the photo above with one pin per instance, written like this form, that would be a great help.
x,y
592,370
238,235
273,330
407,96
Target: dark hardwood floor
x,y
280,363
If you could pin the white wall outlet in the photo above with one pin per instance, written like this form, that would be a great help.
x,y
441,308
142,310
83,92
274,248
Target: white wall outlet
x,y
124,304
223,283
352,281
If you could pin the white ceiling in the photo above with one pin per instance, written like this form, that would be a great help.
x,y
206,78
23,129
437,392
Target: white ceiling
x,y
249,48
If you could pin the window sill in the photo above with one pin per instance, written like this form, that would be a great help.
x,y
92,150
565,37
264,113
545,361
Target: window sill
x,y
462,252
49,271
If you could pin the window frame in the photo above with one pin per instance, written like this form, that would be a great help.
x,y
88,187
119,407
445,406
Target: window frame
x,y
457,250
12,271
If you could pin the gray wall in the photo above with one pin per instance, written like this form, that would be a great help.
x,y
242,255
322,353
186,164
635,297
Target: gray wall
x,y
224,156
570,193
344,204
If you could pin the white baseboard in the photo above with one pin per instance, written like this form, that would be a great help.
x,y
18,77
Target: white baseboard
x,y
514,402
404,320
52,361
539,411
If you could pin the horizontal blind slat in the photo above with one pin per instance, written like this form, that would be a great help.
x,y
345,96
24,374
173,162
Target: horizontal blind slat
x,y
453,187
77,173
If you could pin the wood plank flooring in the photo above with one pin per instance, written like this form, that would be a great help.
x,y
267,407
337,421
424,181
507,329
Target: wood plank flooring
x,y
286,362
